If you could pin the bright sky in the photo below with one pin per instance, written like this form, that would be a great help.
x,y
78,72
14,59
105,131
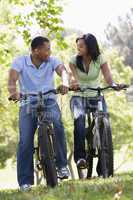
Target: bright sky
x,y
92,16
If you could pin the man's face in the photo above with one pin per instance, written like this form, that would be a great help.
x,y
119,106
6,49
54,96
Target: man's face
x,y
43,52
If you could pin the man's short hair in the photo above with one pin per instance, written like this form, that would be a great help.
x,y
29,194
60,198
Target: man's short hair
x,y
38,42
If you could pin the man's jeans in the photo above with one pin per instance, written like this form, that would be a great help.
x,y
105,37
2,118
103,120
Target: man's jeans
x,y
79,107
27,128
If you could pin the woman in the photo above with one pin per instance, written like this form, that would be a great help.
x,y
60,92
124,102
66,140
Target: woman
x,y
85,70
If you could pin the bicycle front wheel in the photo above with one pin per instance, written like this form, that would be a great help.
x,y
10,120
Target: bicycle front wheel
x,y
47,152
105,163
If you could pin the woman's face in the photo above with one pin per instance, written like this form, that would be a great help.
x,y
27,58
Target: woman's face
x,y
81,47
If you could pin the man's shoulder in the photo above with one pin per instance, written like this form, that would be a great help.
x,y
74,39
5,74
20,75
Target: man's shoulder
x,y
55,62
18,63
53,58
20,58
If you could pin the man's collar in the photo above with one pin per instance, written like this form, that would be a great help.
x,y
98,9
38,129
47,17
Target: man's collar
x,y
29,61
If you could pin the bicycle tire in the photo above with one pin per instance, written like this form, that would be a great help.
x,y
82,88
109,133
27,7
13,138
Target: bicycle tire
x,y
89,166
90,150
105,164
47,155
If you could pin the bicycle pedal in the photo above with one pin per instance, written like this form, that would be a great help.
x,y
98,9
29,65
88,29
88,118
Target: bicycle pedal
x,y
95,155
39,167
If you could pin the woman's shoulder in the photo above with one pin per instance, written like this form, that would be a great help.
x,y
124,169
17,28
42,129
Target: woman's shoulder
x,y
101,59
73,59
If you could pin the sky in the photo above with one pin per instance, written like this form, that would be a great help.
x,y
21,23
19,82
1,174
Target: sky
x,y
93,16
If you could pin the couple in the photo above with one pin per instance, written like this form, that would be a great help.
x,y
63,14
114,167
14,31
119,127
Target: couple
x,y
35,72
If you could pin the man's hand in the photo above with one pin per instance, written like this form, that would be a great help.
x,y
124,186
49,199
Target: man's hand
x,y
63,89
14,97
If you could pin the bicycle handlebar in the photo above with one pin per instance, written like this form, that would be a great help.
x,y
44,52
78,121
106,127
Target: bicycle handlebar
x,y
57,91
99,89
39,94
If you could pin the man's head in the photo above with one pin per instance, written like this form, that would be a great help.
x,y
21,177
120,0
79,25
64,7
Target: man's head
x,y
40,47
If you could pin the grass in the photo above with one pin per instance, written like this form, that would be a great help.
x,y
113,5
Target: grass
x,y
95,189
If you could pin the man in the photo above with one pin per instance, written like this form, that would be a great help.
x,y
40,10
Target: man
x,y
35,72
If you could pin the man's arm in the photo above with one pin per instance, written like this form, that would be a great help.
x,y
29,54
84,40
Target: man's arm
x,y
61,71
13,78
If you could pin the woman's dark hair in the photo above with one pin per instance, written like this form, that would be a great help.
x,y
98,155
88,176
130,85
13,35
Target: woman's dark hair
x,y
92,47
38,42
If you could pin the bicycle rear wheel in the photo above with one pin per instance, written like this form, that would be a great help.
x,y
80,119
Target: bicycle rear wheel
x,y
105,164
47,153
90,150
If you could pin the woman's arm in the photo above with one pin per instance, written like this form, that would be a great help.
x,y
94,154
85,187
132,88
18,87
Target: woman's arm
x,y
107,74
108,77
73,76
73,72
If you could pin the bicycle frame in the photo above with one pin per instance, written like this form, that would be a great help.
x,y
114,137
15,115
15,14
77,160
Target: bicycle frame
x,y
40,121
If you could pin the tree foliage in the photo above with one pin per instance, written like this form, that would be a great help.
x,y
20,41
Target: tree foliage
x,y
120,36
40,17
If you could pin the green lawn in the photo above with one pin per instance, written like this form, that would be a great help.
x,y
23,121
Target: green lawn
x,y
96,189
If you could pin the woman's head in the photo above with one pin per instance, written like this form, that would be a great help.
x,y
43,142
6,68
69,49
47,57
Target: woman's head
x,y
88,45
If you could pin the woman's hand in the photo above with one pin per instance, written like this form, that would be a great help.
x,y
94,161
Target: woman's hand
x,y
74,85
119,87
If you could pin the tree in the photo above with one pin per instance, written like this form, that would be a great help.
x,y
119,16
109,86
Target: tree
x,y
39,17
8,118
121,111
120,36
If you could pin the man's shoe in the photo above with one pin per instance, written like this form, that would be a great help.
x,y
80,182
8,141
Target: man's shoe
x,y
81,163
25,188
63,173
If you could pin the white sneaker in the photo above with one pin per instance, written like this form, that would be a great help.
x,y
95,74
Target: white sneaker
x,y
81,163
25,188
63,173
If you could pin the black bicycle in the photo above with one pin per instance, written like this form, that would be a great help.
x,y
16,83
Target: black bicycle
x,y
46,146
98,138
